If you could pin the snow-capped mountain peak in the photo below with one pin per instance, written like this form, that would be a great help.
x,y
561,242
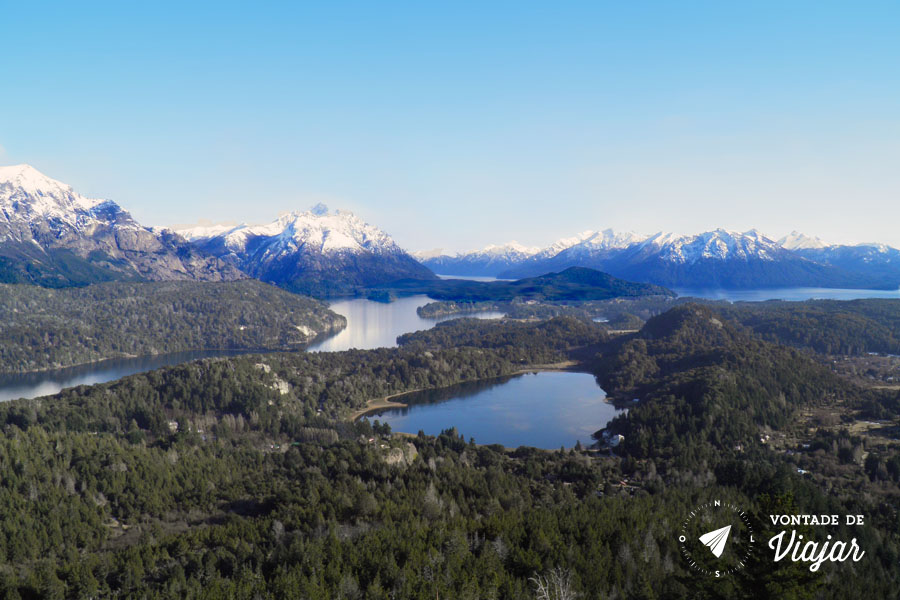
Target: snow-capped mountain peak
x,y
610,239
512,248
313,250
719,244
24,189
716,258
318,230
41,215
564,243
334,231
31,181
203,230
800,241
662,238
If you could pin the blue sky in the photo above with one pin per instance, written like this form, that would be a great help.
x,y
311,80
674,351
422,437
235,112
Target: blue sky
x,y
459,124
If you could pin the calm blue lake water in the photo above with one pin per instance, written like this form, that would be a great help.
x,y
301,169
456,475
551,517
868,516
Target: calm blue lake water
x,y
544,410
44,383
795,294
472,277
378,324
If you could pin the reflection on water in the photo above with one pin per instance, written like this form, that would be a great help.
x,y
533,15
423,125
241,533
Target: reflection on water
x,y
33,385
795,294
378,324
545,410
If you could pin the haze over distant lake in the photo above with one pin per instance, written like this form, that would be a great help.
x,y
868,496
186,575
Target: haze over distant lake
x,y
473,277
793,294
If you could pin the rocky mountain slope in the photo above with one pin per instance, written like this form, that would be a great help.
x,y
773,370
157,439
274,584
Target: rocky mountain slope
x,y
52,236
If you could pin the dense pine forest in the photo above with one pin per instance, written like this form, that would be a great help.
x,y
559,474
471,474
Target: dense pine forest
x,y
43,328
244,477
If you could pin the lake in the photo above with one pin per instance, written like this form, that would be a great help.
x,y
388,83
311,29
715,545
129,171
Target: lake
x,y
543,410
44,383
794,294
369,325
378,324
472,277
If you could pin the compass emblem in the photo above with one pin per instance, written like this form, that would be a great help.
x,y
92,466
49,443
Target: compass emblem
x,y
717,538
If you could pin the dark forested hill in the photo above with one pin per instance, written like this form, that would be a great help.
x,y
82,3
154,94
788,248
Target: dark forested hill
x,y
574,283
701,378
827,326
51,328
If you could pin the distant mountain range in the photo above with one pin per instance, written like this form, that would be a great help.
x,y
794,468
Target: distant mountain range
x,y
714,259
52,236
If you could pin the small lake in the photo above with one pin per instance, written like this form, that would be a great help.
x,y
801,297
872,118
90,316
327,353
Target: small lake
x,y
543,410
378,324
794,294
44,383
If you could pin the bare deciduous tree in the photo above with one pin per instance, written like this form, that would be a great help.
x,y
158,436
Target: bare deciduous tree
x,y
555,584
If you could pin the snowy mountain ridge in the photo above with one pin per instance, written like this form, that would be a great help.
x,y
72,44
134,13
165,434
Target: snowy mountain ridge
x,y
27,195
315,230
717,258
314,251
51,235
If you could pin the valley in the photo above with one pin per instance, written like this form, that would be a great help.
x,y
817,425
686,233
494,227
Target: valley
x,y
216,457
449,301
718,406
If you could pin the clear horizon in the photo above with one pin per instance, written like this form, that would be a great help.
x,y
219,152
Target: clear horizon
x,y
458,127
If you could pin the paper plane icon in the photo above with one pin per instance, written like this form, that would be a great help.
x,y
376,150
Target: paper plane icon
x,y
715,540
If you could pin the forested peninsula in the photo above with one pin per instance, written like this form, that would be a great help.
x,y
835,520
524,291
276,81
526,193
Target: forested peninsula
x,y
42,328
575,284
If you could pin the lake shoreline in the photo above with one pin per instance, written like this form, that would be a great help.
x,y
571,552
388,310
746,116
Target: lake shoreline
x,y
386,402
100,362
554,406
